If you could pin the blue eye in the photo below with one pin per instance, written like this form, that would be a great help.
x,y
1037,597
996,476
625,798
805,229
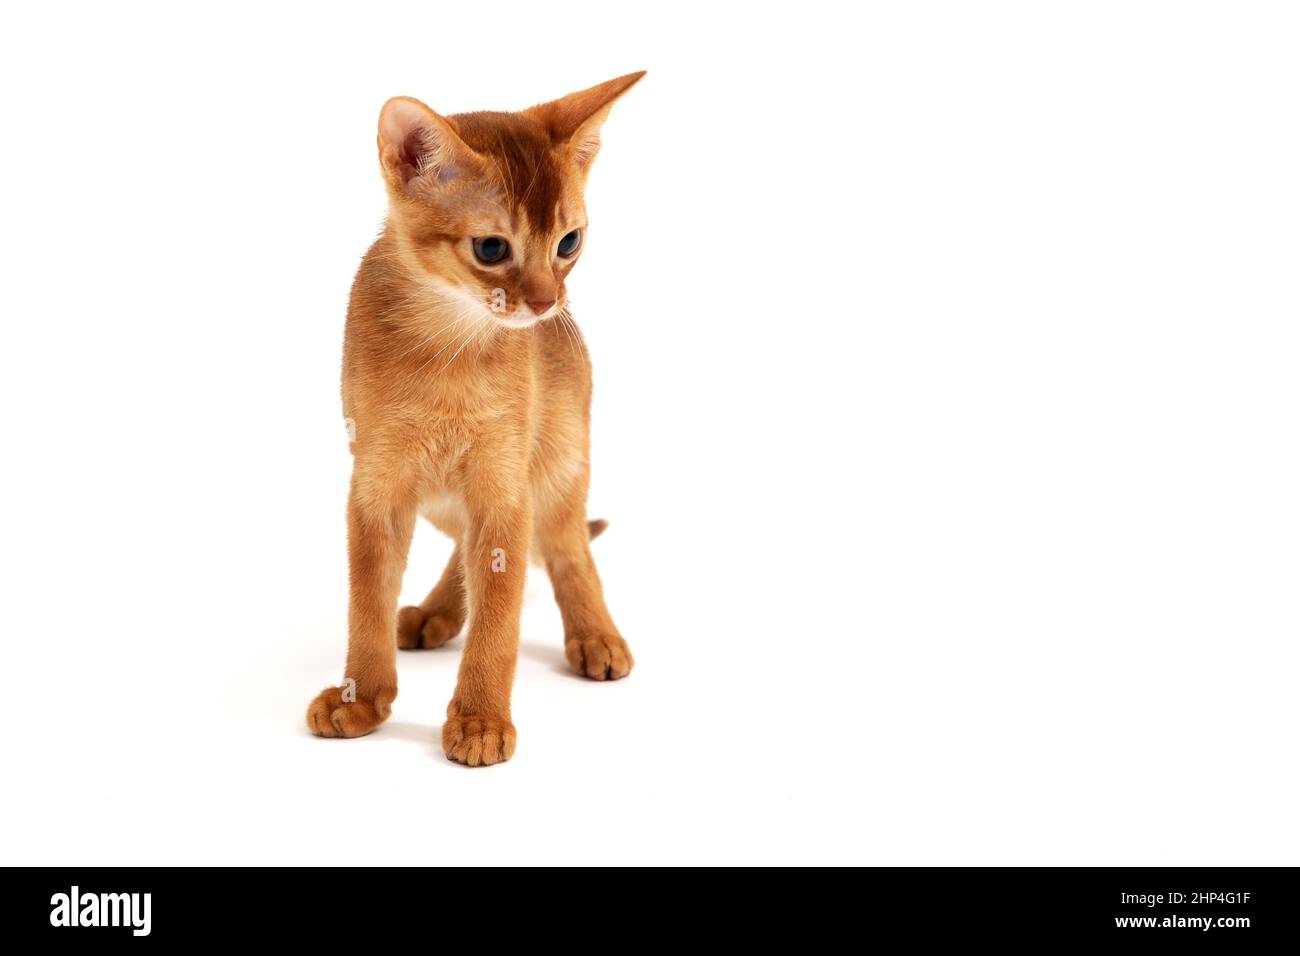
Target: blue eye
x,y
491,250
570,243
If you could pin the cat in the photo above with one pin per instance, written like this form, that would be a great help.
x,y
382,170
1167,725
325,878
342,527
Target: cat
x,y
467,388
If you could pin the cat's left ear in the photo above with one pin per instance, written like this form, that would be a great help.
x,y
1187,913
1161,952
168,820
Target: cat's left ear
x,y
574,121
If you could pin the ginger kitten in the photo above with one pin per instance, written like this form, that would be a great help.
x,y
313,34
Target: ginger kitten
x,y
468,390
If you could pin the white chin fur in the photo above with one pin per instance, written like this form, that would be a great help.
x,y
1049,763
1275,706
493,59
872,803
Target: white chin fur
x,y
520,321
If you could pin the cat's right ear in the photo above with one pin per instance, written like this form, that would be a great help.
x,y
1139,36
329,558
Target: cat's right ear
x,y
418,148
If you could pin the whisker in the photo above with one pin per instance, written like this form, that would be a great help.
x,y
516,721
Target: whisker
x,y
466,342
463,316
561,316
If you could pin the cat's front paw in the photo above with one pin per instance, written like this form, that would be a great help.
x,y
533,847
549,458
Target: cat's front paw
x,y
329,715
415,628
477,740
600,656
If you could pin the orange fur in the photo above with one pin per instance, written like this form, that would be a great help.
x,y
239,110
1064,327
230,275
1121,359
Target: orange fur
x,y
470,387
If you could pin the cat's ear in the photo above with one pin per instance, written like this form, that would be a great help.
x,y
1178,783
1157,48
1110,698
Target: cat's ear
x,y
417,146
574,121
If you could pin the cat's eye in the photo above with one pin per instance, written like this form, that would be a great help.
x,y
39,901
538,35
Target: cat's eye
x,y
491,250
570,243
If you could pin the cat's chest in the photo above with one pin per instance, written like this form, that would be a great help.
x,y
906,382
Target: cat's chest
x,y
446,445
444,508
482,413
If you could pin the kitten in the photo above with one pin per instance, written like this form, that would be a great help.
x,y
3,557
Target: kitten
x,y
469,389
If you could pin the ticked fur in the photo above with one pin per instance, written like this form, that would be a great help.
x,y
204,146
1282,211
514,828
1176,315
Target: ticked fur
x,y
469,387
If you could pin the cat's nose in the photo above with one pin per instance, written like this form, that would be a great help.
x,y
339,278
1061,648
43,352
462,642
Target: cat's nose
x,y
539,306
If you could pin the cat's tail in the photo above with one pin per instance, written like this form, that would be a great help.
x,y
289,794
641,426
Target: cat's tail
x,y
594,528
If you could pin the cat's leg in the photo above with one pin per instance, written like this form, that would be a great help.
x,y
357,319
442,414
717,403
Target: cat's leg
x,y
380,524
441,615
592,644
478,730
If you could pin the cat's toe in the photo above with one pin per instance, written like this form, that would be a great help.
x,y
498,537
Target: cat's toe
x,y
416,629
329,715
603,656
478,741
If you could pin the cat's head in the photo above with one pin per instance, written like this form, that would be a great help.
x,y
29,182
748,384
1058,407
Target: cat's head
x,y
487,208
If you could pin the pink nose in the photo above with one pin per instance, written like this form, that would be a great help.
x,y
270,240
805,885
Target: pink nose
x,y
540,305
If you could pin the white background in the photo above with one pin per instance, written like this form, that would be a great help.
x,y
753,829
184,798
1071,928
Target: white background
x,y
945,416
